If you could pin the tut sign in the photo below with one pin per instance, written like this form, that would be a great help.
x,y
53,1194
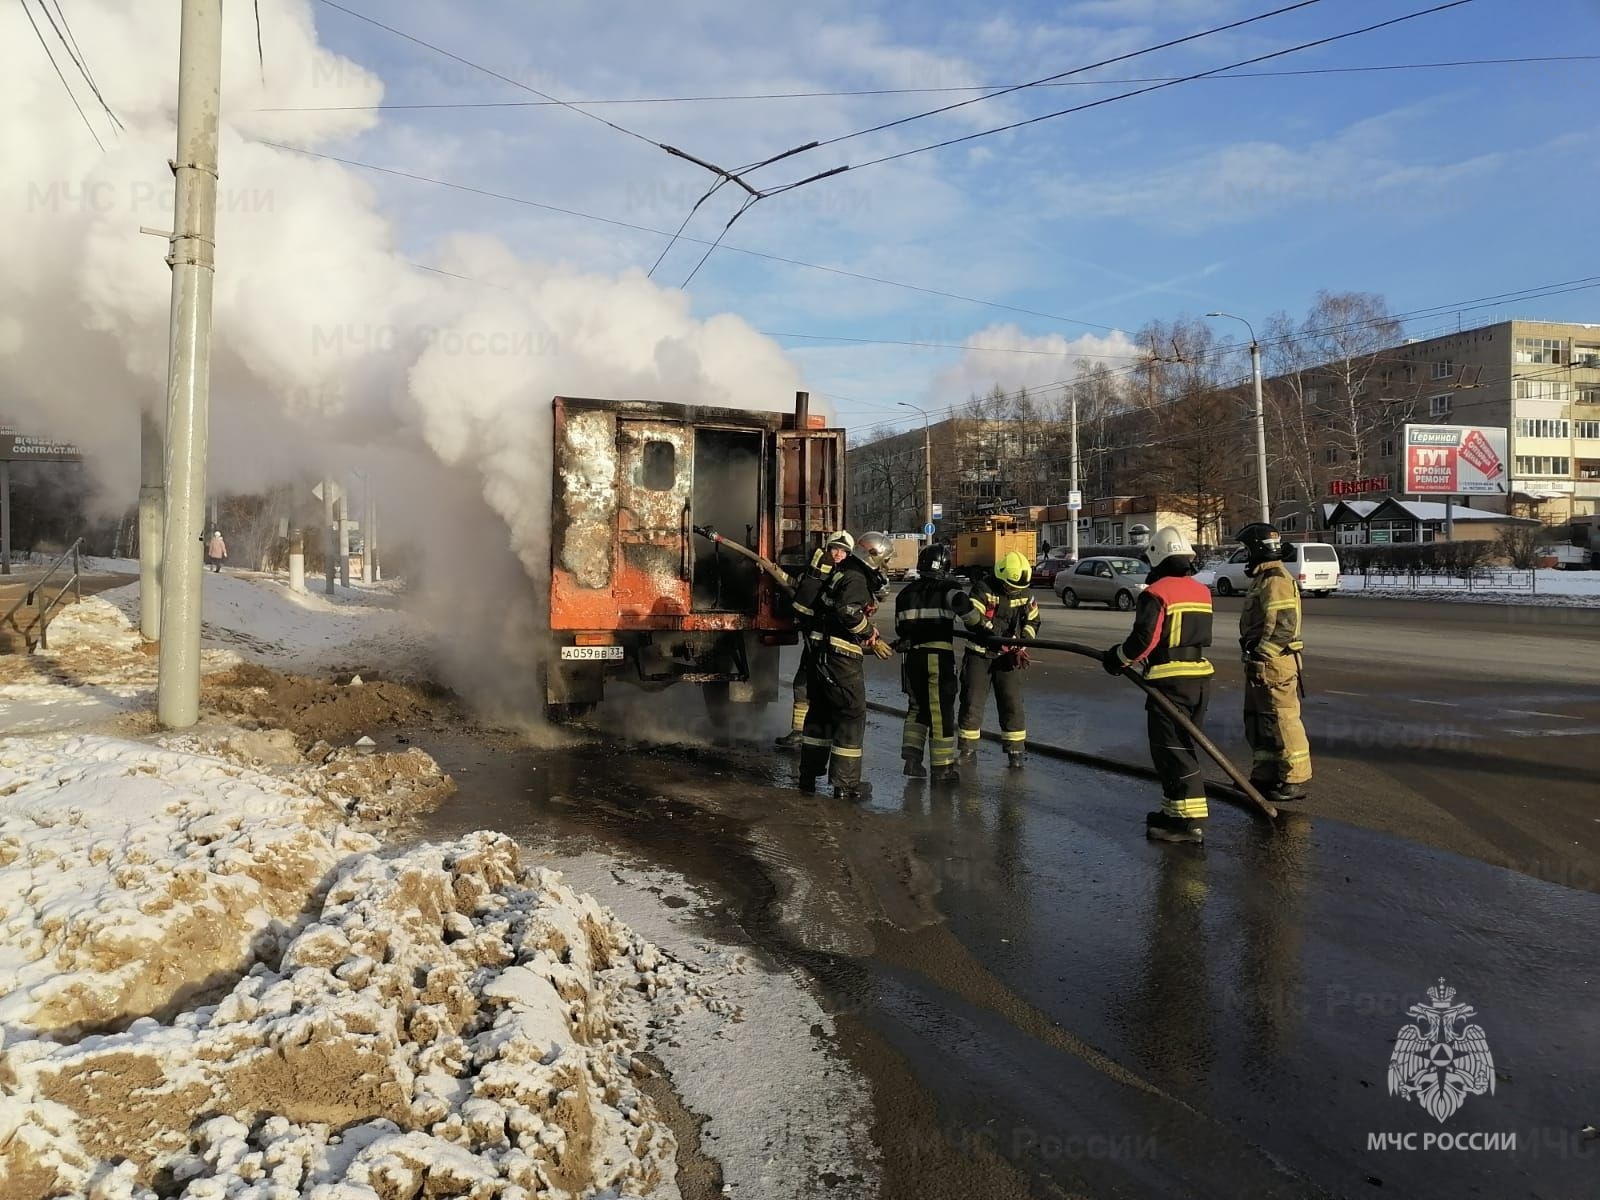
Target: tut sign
x,y
1456,460
17,447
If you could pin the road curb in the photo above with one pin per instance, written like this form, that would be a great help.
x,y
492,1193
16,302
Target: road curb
x,y
1226,793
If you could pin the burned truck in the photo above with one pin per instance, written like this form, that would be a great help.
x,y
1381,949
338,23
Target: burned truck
x,y
636,596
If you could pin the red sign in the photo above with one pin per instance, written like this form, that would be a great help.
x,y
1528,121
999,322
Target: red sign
x,y
1355,487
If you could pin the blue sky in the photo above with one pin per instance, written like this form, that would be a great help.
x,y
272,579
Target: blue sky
x,y
1431,187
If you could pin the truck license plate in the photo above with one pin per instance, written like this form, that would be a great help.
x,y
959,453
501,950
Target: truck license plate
x,y
606,653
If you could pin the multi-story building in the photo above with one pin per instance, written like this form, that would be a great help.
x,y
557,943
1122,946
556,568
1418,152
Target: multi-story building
x,y
1538,380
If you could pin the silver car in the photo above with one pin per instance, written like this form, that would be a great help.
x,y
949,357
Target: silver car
x,y
1113,581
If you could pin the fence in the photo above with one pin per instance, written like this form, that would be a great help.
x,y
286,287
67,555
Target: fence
x,y
1444,579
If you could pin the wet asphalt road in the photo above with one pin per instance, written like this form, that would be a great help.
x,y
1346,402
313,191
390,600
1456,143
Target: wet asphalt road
x,y
1475,728
1048,1005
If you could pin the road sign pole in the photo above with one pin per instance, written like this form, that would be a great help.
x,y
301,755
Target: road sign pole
x,y
330,536
193,259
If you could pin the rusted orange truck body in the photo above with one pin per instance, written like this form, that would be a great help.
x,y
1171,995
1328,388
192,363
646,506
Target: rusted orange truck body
x,y
635,594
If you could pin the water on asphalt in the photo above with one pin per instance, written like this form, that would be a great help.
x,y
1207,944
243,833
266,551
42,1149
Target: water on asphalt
x,y
1049,1005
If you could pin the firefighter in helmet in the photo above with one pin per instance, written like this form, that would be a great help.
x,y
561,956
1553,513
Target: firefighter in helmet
x,y
808,590
843,633
1011,613
1269,638
1171,631
924,614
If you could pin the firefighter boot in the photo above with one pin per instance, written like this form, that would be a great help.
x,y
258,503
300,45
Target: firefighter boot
x,y
1014,759
914,767
807,784
969,749
853,792
1283,793
790,740
1160,827
949,773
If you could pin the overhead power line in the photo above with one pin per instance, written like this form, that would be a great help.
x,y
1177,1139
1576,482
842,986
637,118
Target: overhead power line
x,y
732,249
45,46
1105,100
744,97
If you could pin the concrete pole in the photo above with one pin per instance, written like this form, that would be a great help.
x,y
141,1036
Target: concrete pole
x,y
152,450
344,541
5,516
1261,432
330,537
372,545
366,525
193,259
297,561
1072,485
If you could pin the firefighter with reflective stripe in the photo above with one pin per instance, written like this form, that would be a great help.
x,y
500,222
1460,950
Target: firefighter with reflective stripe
x,y
1171,630
1269,638
807,590
924,615
1012,613
843,633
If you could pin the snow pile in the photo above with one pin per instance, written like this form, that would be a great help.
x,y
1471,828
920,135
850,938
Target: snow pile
x,y
1551,589
444,1023
133,876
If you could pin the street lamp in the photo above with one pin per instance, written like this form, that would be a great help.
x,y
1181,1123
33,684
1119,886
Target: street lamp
x,y
927,468
1261,415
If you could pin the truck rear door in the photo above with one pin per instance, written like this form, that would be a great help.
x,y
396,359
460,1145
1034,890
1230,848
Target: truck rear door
x,y
655,475
810,491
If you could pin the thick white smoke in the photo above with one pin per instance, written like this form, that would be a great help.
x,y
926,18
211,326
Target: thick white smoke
x,y
331,351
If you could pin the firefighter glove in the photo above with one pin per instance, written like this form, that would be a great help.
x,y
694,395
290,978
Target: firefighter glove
x,y
1015,658
881,648
1112,662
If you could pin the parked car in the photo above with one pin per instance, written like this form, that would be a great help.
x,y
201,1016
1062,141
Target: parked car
x,y
1113,581
1047,568
1314,566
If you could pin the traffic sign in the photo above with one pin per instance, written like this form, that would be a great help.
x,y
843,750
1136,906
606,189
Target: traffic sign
x,y
338,492
1074,501
928,529
938,511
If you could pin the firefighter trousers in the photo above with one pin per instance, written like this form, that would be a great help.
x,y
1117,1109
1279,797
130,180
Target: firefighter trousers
x,y
929,680
1172,750
802,702
1279,750
836,722
979,674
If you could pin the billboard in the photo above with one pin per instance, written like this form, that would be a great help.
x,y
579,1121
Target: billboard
x,y
1456,460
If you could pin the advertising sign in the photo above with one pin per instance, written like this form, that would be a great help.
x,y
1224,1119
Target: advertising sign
x,y
1456,460
1359,487
16,447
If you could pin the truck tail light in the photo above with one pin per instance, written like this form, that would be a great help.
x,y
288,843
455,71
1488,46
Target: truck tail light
x,y
598,639
1301,577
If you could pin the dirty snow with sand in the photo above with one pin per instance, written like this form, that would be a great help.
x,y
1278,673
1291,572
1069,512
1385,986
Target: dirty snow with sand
x,y
215,981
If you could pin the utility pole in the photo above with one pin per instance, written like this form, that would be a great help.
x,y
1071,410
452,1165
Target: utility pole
x,y
193,261
5,516
152,447
1074,493
1265,499
366,527
927,470
344,541
372,545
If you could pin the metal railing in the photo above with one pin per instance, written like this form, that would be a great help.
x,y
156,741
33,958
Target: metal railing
x,y
1454,579
34,598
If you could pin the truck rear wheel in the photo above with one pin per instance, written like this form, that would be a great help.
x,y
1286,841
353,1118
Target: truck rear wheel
x,y
563,714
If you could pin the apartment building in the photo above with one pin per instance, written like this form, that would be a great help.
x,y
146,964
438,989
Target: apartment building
x,y
1538,380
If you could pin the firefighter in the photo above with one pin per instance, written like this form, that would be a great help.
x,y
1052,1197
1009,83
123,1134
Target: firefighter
x,y
1269,638
1171,631
1011,613
843,633
807,590
923,616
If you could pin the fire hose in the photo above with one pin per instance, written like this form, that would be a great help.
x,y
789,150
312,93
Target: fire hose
x,y
771,568
1178,716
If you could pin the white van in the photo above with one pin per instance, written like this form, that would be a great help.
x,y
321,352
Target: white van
x,y
1312,565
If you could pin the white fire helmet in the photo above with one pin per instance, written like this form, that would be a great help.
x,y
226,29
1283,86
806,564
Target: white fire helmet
x,y
1167,543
